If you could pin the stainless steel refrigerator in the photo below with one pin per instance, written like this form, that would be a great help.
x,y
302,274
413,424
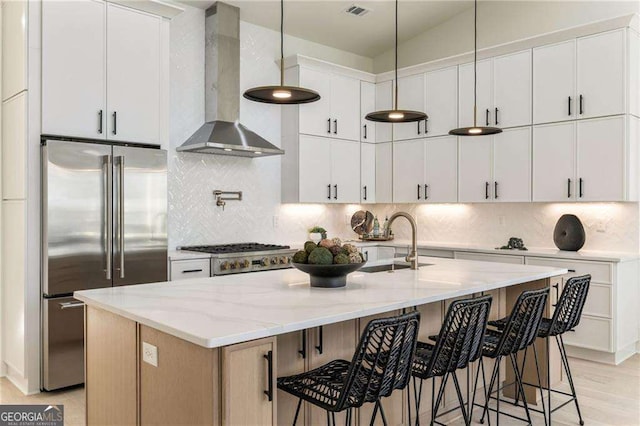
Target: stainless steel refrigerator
x,y
104,223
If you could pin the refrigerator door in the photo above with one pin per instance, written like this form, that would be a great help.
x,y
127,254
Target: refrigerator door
x,y
76,225
63,342
140,215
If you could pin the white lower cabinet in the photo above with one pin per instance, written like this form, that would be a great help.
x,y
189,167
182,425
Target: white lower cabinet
x,y
496,168
191,268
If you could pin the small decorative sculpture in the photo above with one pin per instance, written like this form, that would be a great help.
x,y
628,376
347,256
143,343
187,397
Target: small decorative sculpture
x,y
569,233
514,243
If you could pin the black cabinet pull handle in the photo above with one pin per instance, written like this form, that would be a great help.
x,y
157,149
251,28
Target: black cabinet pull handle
x,y
269,391
486,190
335,127
569,188
329,125
365,192
581,105
320,341
328,192
366,256
303,351
496,116
100,122
418,127
580,182
335,187
556,288
426,124
569,105
487,116
571,270
190,271
418,191
426,193
495,188
365,131
115,122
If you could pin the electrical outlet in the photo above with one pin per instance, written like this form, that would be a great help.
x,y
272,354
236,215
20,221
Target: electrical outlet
x,y
150,354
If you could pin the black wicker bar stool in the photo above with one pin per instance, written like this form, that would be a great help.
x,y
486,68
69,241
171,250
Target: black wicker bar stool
x,y
566,317
519,332
458,343
381,364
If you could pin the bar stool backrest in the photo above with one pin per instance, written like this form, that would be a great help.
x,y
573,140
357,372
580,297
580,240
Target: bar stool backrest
x,y
523,322
569,308
461,335
382,361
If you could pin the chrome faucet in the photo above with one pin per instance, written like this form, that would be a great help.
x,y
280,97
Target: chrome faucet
x,y
412,257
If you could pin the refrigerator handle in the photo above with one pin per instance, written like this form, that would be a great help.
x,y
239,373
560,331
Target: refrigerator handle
x,y
108,223
120,161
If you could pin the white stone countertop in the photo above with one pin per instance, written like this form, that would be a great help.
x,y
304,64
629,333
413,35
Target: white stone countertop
x,y
587,255
220,311
187,255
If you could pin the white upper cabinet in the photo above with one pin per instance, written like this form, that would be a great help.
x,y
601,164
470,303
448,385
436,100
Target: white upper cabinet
x,y
474,175
441,103
367,105
587,160
581,78
554,82
101,69
512,90
337,113
512,165
441,170
368,173
484,98
601,74
14,47
411,96
384,101
504,91
408,171
315,117
496,168
554,162
73,69
133,75
328,171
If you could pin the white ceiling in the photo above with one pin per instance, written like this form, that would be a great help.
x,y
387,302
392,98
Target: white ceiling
x,y
326,23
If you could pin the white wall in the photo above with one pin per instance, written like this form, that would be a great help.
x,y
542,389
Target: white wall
x,y
500,22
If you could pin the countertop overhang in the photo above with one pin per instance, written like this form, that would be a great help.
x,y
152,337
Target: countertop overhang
x,y
224,310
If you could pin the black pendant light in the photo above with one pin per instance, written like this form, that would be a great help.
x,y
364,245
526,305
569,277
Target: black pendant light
x,y
282,94
396,115
475,130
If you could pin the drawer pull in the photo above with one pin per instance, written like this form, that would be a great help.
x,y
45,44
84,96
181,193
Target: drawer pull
x,y
189,271
269,391
319,348
571,270
303,351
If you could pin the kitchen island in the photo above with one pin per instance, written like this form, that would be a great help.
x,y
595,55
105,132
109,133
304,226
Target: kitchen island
x,y
208,350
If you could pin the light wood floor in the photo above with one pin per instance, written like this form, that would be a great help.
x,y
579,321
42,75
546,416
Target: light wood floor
x,y
608,395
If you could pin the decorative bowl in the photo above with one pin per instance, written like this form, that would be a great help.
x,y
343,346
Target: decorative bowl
x,y
328,276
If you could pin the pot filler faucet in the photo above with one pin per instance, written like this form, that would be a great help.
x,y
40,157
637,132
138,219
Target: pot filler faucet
x,y
412,257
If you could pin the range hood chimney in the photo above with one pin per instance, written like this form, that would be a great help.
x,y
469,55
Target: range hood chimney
x,y
222,133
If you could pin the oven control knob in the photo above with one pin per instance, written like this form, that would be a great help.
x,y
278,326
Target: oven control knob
x,y
284,260
274,260
235,265
264,261
224,266
246,263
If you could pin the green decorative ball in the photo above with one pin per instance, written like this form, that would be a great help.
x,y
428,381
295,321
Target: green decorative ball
x,y
300,257
321,256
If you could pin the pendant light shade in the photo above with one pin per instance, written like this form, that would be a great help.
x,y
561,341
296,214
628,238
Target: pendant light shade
x,y
396,115
284,95
475,130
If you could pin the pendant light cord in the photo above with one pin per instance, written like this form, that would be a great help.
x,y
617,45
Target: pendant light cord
x,y
281,42
475,61
395,107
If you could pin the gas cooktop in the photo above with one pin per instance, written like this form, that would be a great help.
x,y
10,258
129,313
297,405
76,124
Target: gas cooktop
x,y
234,248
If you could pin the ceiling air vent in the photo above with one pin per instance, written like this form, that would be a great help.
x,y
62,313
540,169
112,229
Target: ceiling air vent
x,y
356,10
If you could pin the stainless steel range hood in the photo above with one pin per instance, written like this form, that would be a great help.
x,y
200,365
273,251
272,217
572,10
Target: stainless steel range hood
x,y
222,133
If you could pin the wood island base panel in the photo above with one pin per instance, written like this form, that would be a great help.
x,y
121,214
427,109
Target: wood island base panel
x,y
147,362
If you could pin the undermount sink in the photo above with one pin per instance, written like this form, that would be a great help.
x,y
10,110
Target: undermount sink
x,y
389,267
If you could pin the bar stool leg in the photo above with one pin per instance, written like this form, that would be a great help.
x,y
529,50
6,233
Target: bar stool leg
x,y
460,399
565,361
496,372
544,410
295,418
514,364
